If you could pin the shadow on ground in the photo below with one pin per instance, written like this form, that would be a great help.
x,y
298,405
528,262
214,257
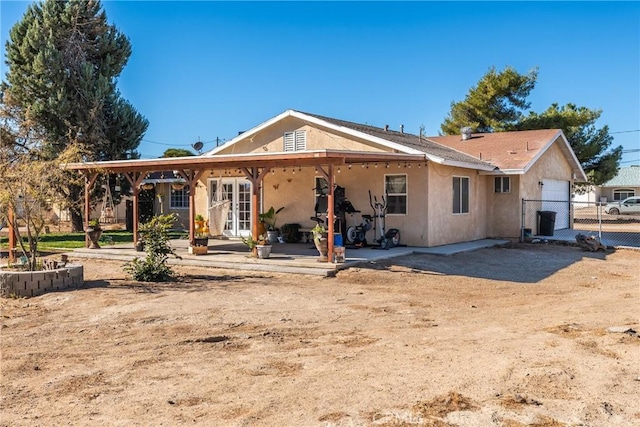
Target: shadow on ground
x,y
519,263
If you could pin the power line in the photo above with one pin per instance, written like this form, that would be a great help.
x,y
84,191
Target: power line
x,y
626,131
217,141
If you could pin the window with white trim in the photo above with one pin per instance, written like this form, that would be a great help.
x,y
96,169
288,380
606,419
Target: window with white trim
x,y
179,199
502,184
295,141
395,188
460,194
623,193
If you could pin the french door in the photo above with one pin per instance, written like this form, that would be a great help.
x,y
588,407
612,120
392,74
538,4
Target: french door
x,y
238,191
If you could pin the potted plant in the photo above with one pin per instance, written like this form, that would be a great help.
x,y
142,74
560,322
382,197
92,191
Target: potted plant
x,y
94,231
260,247
199,223
201,238
321,241
269,219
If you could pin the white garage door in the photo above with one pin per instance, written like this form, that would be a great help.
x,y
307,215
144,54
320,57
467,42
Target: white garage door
x,y
556,197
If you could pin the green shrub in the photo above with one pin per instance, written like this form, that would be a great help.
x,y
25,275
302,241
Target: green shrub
x,y
155,236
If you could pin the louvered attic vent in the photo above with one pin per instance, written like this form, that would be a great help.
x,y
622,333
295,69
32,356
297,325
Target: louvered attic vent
x,y
295,141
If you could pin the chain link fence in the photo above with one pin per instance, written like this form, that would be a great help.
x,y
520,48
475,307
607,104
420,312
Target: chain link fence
x,y
563,220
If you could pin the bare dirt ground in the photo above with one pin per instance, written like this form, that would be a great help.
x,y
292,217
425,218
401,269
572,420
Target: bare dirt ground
x,y
498,337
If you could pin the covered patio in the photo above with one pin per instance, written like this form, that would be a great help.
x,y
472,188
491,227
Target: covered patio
x,y
253,166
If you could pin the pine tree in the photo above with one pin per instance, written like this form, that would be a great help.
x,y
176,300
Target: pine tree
x,y
63,62
494,105
499,103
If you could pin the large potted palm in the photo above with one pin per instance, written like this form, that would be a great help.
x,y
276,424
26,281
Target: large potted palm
x,y
269,219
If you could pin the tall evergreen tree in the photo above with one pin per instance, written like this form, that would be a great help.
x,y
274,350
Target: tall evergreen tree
x,y
494,105
63,61
499,102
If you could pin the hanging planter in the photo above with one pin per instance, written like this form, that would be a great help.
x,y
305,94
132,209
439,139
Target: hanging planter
x,y
177,186
147,186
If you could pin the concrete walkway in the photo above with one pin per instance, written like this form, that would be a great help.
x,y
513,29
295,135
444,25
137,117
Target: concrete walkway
x,y
298,258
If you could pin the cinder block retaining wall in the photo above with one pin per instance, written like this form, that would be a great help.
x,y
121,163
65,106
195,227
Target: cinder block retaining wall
x,y
34,283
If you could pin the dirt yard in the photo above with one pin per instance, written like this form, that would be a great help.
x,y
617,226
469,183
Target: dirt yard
x,y
498,337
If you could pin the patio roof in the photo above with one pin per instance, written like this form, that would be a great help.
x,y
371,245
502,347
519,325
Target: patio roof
x,y
233,161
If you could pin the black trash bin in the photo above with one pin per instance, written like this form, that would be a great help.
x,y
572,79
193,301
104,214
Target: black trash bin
x,y
546,223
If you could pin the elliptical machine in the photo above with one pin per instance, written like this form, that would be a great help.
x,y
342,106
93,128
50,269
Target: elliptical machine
x,y
390,238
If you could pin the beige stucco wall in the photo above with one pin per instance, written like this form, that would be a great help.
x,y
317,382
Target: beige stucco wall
x,y
295,191
504,209
271,139
444,226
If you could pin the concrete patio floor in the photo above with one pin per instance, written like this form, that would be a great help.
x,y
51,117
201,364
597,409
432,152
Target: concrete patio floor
x,y
299,258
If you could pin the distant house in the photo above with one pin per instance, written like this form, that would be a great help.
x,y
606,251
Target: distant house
x,y
625,184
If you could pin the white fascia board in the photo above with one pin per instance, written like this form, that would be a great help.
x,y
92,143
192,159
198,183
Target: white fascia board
x,y
504,172
362,135
459,164
248,133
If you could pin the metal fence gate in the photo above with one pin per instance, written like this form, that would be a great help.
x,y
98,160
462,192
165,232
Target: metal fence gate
x,y
562,220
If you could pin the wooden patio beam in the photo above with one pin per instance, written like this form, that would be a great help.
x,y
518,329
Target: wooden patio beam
x,y
89,180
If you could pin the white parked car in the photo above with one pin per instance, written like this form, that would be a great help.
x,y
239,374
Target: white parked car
x,y
629,206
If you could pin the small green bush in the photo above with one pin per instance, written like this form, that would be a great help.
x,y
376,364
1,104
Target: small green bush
x,y
155,236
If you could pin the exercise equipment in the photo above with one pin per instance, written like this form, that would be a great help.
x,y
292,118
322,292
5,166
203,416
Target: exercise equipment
x,y
389,238
356,234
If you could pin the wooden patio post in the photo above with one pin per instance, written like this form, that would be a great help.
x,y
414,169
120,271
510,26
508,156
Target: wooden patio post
x,y
135,179
12,235
256,177
89,180
330,214
192,177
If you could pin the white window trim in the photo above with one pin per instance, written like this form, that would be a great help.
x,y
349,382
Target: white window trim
x,y
629,191
171,206
406,195
501,184
469,201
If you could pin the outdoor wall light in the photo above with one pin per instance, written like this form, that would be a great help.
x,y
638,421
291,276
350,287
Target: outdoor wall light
x,y
540,183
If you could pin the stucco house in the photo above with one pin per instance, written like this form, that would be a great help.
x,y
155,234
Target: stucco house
x,y
440,190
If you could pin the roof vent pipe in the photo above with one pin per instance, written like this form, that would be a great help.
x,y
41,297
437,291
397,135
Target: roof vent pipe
x,y
466,133
386,128
401,128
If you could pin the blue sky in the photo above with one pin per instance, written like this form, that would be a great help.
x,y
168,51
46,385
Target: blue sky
x,y
206,70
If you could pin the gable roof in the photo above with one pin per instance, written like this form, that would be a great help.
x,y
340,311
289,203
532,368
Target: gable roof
x,y
513,152
397,141
499,153
627,177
